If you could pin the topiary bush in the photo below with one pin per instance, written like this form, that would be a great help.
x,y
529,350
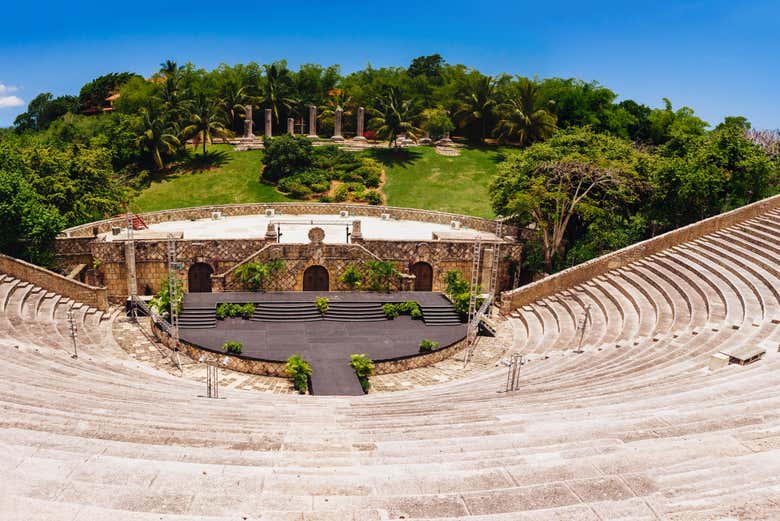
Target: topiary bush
x,y
322,304
233,347
228,309
392,310
300,371
364,368
426,346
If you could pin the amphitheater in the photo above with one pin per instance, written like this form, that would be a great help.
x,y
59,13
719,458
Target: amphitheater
x,y
642,418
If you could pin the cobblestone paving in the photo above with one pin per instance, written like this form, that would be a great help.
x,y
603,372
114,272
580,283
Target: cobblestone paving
x,y
488,352
136,340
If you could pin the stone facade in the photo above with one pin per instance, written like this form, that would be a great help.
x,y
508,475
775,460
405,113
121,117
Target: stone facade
x,y
223,255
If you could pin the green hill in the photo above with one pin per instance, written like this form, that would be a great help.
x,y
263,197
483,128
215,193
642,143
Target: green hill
x,y
415,177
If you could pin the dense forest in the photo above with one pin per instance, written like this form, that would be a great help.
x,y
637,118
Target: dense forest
x,y
590,174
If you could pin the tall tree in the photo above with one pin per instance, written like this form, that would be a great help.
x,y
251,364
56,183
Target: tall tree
x,y
476,101
524,116
393,116
277,89
158,138
206,120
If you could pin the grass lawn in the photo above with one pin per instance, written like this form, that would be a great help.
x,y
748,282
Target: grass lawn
x,y
420,178
415,177
235,181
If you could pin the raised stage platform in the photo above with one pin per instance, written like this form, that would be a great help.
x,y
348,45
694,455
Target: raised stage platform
x,y
287,323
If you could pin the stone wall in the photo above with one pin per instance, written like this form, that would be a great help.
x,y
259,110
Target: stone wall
x,y
224,255
397,365
297,208
90,295
578,274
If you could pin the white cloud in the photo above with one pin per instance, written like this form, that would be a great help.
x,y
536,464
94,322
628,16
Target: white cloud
x,y
6,89
7,100
10,101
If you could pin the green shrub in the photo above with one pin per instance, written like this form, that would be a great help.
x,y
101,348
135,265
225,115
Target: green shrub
x,y
322,304
455,282
364,368
416,314
390,310
253,275
325,199
162,301
228,309
341,194
299,370
285,156
380,275
233,347
426,346
352,277
373,197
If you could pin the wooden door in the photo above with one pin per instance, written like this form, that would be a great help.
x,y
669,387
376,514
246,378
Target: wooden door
x,y
199,278
424,276
315,278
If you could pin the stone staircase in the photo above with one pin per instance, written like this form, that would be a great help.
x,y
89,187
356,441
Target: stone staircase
x,y
440,315
197,318
633,427
286,312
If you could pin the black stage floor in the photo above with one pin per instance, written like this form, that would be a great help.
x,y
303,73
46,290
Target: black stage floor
x,y
326,345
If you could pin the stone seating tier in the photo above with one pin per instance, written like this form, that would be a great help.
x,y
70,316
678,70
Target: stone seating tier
x,y
635,426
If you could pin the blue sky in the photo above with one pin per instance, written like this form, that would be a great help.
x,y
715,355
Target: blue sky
x,y
720,58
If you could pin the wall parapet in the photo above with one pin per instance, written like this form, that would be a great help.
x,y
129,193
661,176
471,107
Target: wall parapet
x,y
293,208
91,295
578,274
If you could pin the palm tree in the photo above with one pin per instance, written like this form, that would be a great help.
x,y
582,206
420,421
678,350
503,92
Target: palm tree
x,y
277,88
158,137
234,101
206,120
477,98
393,116
336,100
524,115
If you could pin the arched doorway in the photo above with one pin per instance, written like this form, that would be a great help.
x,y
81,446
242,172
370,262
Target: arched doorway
x,y
199,278
424,276
315,278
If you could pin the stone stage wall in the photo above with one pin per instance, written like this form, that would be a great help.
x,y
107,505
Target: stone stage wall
x,y
107,263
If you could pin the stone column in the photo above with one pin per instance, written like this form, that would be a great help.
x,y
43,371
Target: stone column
x,y
357,232
312,122
270,232
291,126
268,122
248,123
337,126
360,122
132,281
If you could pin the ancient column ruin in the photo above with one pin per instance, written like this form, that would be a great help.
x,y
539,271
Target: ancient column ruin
x,y
248,122
312,122
291,126
268,122
337,126
361,115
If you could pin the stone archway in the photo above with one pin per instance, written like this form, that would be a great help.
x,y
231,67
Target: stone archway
x,y
423,273
199,278
316,278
